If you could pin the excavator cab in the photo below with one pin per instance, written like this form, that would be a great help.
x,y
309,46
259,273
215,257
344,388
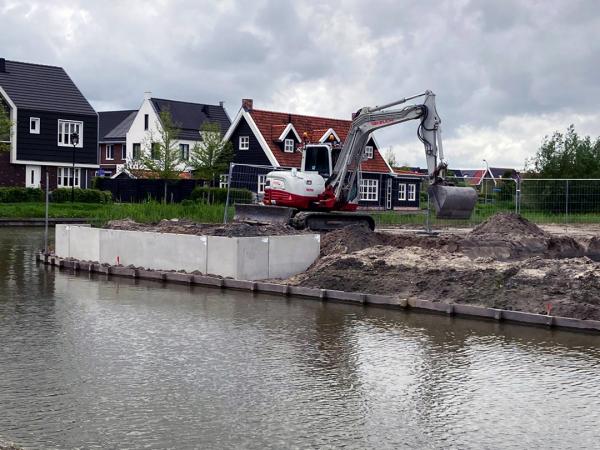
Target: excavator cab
x,y
317,158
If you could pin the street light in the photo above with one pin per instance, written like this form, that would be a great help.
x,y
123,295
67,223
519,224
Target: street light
x,y
74,142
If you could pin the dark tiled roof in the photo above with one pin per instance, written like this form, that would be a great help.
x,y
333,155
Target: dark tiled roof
x,y
190,116
111,123
44,88
271,124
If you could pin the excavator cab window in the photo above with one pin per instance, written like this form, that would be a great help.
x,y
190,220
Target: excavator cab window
x,y
316,159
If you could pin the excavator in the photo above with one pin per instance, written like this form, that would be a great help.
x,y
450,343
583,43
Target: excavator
x,y
324,194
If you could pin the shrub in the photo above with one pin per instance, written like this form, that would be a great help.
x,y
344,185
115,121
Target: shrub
x,y
20,195
219,195
82,196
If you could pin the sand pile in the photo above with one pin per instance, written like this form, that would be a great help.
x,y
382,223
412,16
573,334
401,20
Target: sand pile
x,y
178,226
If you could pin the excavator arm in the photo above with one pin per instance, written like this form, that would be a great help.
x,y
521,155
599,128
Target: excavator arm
x,y
341,187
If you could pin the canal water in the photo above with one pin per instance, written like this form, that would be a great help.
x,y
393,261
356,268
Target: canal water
x,y
91,362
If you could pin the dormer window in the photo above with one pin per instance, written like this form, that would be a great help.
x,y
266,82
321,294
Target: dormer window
x,y
288,146
369,152
34,125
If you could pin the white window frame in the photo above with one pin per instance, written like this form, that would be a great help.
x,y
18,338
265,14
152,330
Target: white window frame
x,y
73,126
184,150
224,181
123,152
369,190
64,173
111,153
288,146
412,192
369,152
37,122
137,146
262,182
244,143
402,192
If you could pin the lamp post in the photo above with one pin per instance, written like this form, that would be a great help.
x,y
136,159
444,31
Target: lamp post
x,y
487,169
74,142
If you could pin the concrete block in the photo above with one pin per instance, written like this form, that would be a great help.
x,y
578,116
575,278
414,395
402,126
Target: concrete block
x,y
307,292
243,258
447,308
61,240
290,255
475,311
151,275
274,288
207,281
243,285
524,317
159,251
123,271
84,243
182,278
579,324
386,300
350,297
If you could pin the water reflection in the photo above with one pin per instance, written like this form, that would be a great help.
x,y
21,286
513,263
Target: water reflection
x,y
91,362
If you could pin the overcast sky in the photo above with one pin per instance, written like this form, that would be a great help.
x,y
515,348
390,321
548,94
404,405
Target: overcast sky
x,y
506,73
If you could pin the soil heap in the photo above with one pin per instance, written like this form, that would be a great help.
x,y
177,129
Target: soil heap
x,y
506,262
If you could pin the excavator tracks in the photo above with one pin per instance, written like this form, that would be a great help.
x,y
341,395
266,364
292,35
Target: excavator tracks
x,y
327,221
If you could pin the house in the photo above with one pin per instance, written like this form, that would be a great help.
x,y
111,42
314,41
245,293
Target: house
x,y
113,126
137,130
264,140
475,177
55,129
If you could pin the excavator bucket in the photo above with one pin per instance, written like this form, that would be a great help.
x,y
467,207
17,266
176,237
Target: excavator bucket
x,y
452,202
262,214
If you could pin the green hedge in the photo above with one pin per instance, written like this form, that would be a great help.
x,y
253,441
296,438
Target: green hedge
x,y
213,195
20,195
81,196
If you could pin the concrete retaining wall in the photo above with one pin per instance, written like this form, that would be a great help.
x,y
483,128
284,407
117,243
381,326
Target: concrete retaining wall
x,y
242,258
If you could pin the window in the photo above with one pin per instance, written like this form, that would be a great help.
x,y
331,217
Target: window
x,y
66,129
145,122
34,125
402,191
369,190
244,143
288,146
123,152
369,152
154,150
184,149
224,181
110,152
65,177
137,151
262,181
412,192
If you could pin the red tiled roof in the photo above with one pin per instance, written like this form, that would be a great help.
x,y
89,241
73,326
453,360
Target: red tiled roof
x,y
271,124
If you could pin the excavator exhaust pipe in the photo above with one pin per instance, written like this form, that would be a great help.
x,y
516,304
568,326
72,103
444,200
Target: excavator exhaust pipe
x,y
262,214
452,202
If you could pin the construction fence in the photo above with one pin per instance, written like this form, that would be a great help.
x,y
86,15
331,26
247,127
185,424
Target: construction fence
x,y
402,200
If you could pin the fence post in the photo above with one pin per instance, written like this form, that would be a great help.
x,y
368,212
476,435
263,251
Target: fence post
x,y
229,179
518,196
566,203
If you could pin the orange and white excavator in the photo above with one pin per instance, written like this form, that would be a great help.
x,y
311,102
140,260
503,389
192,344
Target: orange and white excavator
x,y
322,196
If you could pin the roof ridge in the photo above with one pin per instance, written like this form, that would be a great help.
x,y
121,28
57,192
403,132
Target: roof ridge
x,y
35,64
119,110
183,101
299,115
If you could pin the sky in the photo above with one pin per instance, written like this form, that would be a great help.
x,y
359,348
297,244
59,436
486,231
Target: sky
x,y
505,73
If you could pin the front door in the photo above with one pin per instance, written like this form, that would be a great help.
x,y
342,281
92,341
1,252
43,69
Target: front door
x,y
33,176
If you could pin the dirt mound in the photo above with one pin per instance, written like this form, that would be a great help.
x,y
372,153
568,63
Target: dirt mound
x,y
236,229
508,225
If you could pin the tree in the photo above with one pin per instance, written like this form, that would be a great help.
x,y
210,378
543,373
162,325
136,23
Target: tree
x,y
211,157
566,156
5,127
390,157
160,157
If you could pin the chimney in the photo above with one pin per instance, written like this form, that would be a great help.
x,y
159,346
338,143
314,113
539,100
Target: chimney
x,y
2,65
247,104
221,103
147,95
